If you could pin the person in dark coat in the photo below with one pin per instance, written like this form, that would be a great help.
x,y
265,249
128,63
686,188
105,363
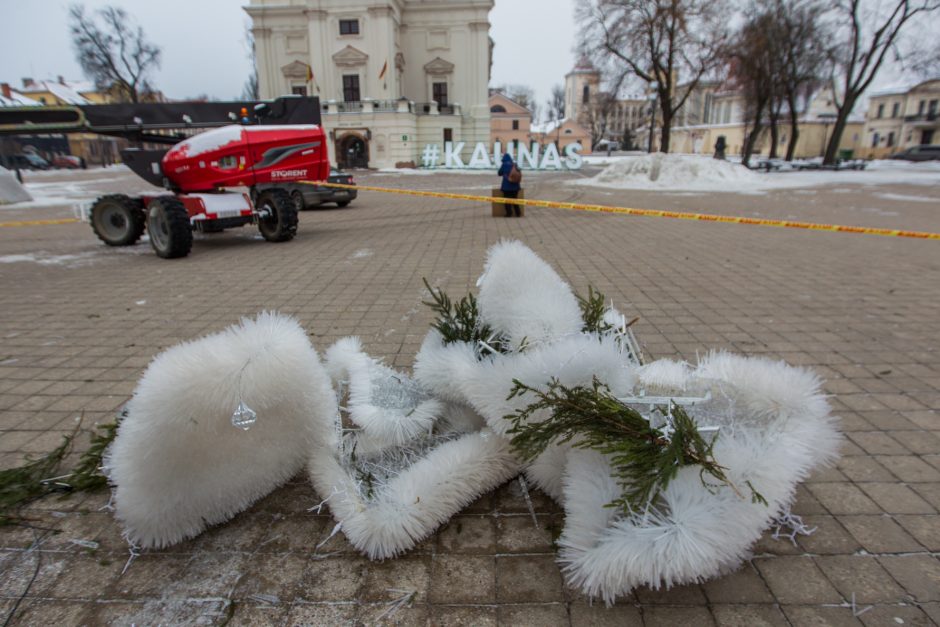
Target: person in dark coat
x,y
509,189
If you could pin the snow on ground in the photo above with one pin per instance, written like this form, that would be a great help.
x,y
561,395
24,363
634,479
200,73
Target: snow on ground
x,y
668,172
91,171
61,193
674,172
47,259
77,260
10,189
906,198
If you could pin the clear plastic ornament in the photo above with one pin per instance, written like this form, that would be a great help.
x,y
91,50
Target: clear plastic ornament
x,y
244,416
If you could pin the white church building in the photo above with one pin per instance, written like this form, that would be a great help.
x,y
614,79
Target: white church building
x,y
391,75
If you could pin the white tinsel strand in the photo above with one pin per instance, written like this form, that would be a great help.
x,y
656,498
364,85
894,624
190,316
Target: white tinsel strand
x,y
789,525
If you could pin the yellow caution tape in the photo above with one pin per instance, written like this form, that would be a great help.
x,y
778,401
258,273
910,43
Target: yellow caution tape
x,y
682,215
40,222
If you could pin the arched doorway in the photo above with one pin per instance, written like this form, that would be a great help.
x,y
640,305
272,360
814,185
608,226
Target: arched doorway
x,y
352,151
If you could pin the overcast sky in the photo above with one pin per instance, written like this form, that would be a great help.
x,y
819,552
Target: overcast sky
x,y
204,52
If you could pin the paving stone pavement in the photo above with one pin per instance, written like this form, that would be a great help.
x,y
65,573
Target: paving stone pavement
x,y
81,321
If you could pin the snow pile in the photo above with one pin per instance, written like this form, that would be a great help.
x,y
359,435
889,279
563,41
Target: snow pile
x,y
693,173
664,171
10,189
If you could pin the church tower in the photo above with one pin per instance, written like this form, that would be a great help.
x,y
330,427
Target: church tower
x,y
582,85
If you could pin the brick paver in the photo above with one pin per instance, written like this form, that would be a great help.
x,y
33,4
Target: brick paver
x,y
80,321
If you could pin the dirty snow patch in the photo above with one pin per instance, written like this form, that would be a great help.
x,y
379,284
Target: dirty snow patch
x,y
674,172
907,198
45,259
668,172
11,190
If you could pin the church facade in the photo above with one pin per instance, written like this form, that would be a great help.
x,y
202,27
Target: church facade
x,y
392,76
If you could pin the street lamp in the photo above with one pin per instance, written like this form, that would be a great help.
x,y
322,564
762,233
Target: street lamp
x,y
653,86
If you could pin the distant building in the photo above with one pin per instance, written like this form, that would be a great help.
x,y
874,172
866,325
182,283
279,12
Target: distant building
x,y
94,149
561,133
602,116
10,97
391,75
902,117
712,111
582,88
61,92
510,122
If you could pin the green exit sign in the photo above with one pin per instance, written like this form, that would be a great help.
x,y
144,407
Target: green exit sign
x,y
404,138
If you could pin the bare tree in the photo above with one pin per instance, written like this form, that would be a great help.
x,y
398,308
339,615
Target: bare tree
x,y
777,58
250,90
927,64
597,115
555,110
865,32
657,41
115,55
555,107
752,59
521,94
802,37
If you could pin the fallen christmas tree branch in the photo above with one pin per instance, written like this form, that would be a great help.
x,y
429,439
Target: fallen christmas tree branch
x,y
40,477
592,312
461,322
644,459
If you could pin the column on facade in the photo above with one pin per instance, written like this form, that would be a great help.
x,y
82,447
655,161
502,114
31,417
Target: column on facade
x,y
264,61
381,51
479,80
319,56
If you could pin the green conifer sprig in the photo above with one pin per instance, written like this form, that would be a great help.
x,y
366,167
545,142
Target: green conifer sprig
x,y
43,476
592,312
460,321
643,459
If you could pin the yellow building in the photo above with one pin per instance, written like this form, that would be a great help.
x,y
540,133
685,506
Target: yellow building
x,y
724,116
902,118
812,142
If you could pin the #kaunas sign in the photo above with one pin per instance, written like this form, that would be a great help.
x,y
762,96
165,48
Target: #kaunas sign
x,y
533,157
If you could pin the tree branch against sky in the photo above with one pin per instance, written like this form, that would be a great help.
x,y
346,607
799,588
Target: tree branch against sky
x,y
927,64
669,44
555,106
114,54
865,32
803,46
753,57
777,60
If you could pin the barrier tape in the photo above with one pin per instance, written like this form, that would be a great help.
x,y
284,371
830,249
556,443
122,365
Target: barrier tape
x,y
657,213
682,215
39,222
